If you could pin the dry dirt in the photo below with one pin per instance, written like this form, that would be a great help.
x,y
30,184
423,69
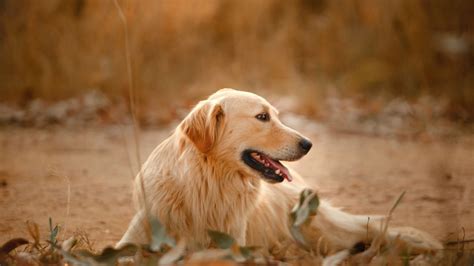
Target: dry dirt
x,y
81,178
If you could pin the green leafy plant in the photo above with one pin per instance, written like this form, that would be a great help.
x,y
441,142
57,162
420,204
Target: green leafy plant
x,y
222,240
159,237
227,242
53,233
307,206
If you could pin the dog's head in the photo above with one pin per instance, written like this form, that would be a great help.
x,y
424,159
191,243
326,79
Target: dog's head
x,y
242,130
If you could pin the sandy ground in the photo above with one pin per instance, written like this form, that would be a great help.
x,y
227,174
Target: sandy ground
x,y
81,178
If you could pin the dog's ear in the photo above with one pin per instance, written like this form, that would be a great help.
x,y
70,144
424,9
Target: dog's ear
x,y
202,125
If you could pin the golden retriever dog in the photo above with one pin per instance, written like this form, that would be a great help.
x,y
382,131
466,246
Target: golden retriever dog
x,y
221,170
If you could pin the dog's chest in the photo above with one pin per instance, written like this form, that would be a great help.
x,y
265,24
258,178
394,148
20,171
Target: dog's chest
x,y
220,207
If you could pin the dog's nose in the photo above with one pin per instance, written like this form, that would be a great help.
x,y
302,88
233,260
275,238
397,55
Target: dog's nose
x,y
305,145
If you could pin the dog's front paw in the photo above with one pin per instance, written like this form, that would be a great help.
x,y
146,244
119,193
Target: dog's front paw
x,y
413,240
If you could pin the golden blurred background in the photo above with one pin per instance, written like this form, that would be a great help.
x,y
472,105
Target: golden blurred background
x,y
370,51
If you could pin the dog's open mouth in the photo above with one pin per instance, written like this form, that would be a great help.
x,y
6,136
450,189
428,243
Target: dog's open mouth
x,y
271,169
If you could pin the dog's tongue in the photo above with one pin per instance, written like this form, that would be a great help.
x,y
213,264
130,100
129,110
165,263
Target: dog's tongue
x,y
283,169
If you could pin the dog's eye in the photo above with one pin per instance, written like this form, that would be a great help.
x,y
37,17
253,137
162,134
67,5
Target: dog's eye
x,y
263,117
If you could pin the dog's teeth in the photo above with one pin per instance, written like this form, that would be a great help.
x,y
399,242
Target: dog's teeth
x,y
277,171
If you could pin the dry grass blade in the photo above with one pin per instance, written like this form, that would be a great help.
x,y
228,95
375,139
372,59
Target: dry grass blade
x,y
68,204
33,230
83,240
457,242
12,244
133,110
399,199
389,217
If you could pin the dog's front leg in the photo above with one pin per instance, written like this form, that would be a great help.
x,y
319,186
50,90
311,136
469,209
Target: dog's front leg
x,y
136,232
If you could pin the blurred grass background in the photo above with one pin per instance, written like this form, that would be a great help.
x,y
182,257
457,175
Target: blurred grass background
x,y
183,50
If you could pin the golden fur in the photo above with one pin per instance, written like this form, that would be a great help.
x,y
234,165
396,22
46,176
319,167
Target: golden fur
x,y
196,180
